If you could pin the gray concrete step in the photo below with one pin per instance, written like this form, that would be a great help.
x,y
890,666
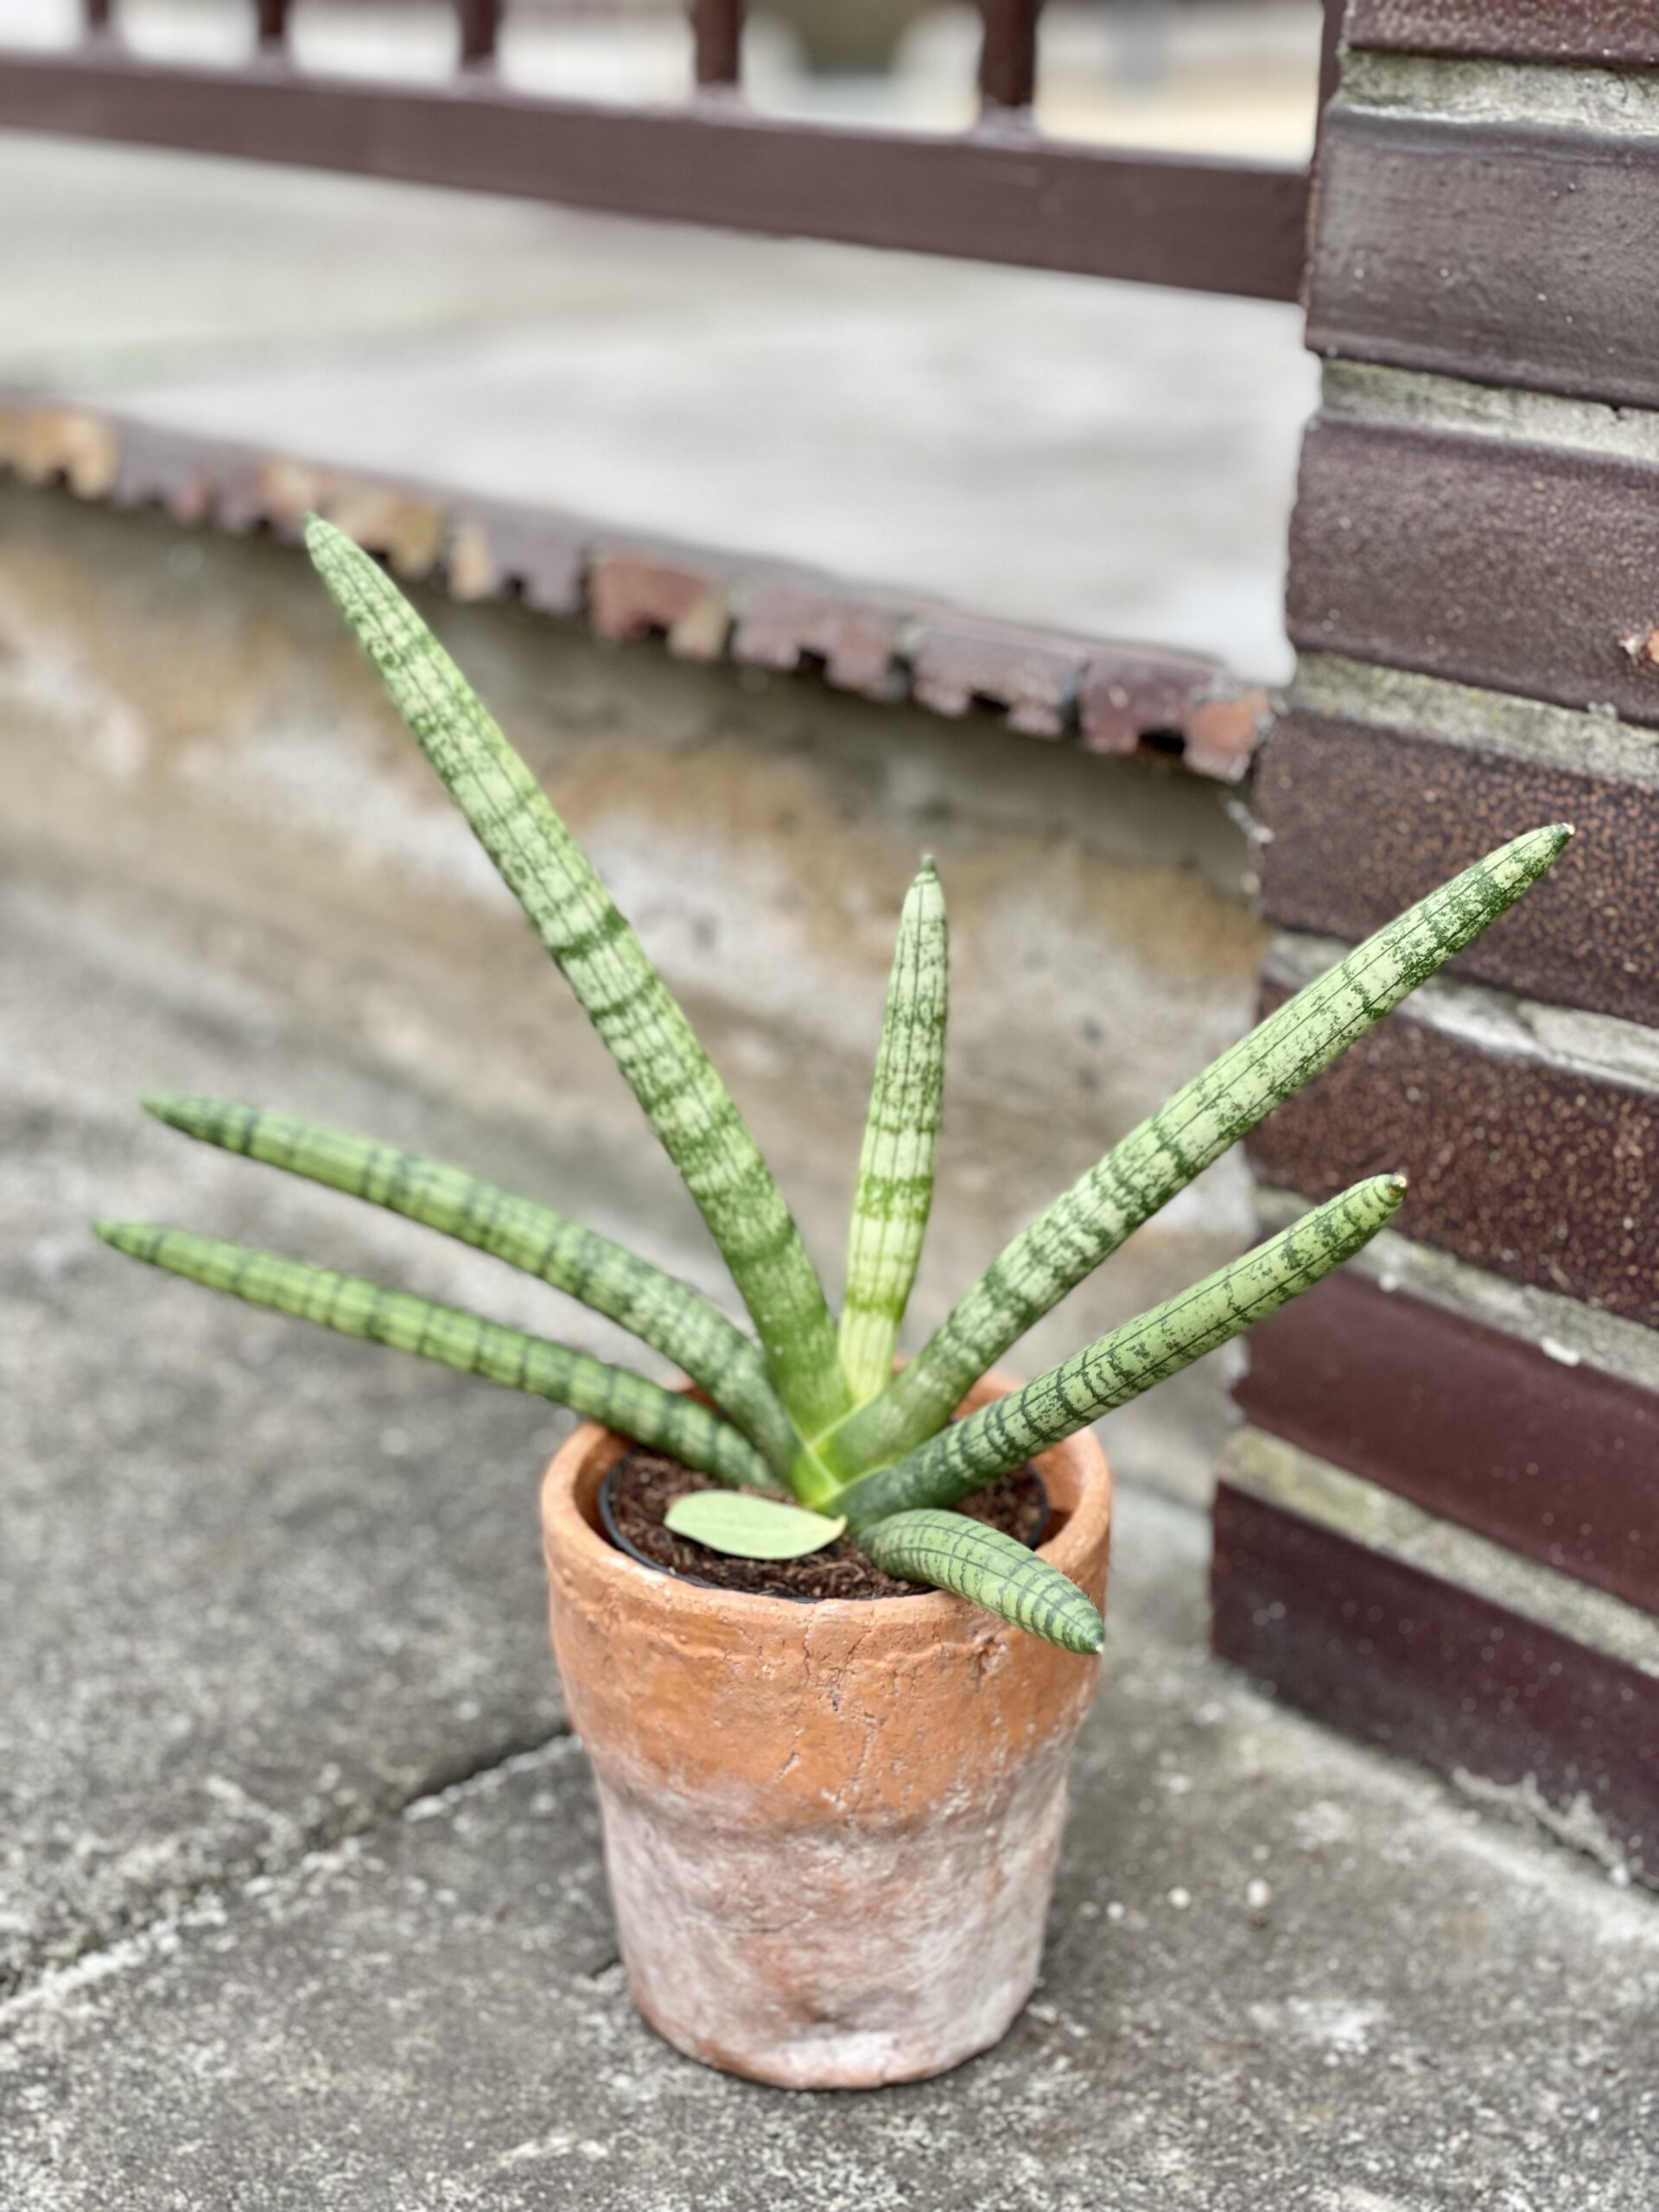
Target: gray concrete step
x,y
1281,1972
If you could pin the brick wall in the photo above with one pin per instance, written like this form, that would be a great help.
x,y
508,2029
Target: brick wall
x,y
1439,1526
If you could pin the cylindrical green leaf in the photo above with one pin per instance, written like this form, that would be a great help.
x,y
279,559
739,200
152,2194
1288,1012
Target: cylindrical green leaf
x,y
663,1311
1010,1431
628,1403
895,1173
624,997
1062,1246
949,1552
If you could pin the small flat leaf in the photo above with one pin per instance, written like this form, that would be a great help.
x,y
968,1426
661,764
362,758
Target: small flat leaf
x,y
751,1528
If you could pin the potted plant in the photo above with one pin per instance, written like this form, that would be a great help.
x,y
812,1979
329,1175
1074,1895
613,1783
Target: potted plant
x,y
827,1642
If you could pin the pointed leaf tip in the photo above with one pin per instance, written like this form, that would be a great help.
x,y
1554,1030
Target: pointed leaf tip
x,y
1547,840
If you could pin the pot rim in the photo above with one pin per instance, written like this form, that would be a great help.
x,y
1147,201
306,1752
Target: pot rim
x,y
1076,1475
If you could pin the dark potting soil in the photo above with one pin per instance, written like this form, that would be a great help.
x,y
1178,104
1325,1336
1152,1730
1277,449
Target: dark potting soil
x,y
644,1485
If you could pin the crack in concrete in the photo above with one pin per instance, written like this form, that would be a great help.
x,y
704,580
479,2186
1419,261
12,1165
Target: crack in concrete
x,y
207,1903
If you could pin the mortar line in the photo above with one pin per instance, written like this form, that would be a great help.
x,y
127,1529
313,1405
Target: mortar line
x,y
1432,399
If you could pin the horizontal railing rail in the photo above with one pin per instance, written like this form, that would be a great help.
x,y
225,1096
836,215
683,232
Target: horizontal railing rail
x,y
999,192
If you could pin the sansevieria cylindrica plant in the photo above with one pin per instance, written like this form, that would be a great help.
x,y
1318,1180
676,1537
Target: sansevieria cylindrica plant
x,y
806,1408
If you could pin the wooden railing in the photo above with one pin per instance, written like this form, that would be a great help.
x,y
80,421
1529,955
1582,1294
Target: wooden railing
x,y
1000,191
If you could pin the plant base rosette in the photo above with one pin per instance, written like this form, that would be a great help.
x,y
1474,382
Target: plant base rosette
x,y
830,1829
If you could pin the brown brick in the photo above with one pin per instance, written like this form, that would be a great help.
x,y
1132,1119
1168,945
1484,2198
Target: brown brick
x,y
1511,30
1425,1666
1525,569
1498,252
1537,1172
1365,821
1559,1462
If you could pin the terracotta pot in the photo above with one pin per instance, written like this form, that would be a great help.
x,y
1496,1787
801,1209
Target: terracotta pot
x,y
831,1829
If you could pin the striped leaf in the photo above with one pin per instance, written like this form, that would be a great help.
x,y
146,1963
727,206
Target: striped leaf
x,y
660,1310
663,1419
627,1001
1058,1250
1010,1431
895,1173
949,1552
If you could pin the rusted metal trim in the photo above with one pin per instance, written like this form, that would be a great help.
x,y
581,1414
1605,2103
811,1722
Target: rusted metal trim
x,y
1511,30
1364,822
1389,1651
1497,251
704,605
1526,568
1560,1462
1208,226
1538,1171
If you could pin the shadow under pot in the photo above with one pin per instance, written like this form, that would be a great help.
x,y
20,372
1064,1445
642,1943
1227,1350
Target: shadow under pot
x,y
830,1826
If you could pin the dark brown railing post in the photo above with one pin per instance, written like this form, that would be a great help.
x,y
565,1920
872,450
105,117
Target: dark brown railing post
x,y
1008,55
717,37
270,27
98,18
481,25
1331,51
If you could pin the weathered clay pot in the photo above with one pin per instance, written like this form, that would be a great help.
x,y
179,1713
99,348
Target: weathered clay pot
x,y
830,1829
